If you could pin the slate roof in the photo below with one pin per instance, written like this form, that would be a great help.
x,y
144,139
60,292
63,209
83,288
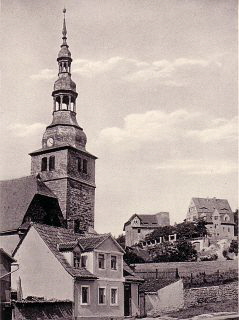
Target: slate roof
x,y
209,205
153,285
15,198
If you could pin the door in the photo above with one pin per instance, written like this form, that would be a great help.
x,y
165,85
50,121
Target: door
x,y
127,299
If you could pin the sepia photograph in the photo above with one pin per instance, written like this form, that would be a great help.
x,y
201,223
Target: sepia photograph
x,y
119,160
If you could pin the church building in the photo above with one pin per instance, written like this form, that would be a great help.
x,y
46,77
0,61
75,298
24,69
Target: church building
x,y
61,188
47,223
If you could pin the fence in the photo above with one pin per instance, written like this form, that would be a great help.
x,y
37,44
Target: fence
x,y
192,280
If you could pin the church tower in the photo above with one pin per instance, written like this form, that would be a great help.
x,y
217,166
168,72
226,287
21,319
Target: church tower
x,y
63,162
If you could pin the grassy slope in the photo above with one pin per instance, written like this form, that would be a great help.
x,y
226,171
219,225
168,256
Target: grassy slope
x,y
185,268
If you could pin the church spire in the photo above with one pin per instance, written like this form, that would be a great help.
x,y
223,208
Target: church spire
x,y
64,31
64,93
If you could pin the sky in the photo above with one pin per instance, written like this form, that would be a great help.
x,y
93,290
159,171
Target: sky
x,y
157,85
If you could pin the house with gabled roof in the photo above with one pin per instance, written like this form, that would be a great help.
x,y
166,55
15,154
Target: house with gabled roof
x,y
139,225
217,214
56,263
24,200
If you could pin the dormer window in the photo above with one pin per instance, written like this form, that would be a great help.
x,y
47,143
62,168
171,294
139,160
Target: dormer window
x,y
226,218
76,259
44,164
52,163
83,261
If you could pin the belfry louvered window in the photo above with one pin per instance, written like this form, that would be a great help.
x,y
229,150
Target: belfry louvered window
x,y
85,166
44,164
79,164
52,163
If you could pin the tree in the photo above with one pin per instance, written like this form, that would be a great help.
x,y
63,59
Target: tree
x,y
121,240
131,257
234,247
160,232
186,251
181,250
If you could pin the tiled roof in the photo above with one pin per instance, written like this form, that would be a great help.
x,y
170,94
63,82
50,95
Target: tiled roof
x,y
15,198
4,253
130,275
66,246
55,237
209,205
153,285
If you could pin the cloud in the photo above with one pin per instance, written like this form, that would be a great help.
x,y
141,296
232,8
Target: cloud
x,y
156,125
199,166
133,70
26,130
45,74
220,129
168,73
165,140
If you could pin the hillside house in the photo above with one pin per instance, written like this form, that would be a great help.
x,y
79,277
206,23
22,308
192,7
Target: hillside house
x,y
218,216
139,225
56,263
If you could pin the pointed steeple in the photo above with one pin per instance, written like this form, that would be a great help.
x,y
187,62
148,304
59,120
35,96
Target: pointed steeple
x,y
64,31
64,92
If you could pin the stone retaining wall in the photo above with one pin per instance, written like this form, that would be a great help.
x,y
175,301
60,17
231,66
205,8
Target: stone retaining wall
x,y
198,296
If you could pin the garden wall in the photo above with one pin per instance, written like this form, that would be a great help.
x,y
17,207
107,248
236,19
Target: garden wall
x,y
198,296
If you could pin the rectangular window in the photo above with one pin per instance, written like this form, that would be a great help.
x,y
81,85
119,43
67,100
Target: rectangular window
x,y
113,262
85,166
138,230
101,296
44,164
101,261
76,259
85,295
113,296
52,163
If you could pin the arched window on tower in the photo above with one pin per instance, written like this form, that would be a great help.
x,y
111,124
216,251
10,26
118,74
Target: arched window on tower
x,y
44,164
85,166
52,163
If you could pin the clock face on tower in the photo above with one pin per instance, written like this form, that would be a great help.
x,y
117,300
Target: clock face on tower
x,y
50,142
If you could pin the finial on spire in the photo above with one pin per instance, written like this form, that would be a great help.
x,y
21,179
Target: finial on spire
x,y
64,32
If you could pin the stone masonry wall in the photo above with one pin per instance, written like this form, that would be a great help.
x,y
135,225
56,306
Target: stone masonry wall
x,y
198,296
80,203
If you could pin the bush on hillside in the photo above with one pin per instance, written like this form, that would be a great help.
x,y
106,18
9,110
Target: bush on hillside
x,y
173,251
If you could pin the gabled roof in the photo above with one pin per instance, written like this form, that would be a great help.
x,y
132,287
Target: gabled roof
x,y
207,206
130,275
153,285
61,239
53,236
146,220
210,204
15,198
4,253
